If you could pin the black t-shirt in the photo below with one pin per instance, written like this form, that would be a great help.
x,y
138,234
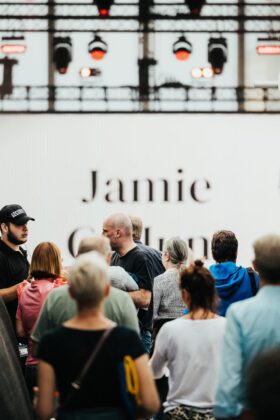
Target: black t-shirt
x,y
13,269
155,257
137,263
68,349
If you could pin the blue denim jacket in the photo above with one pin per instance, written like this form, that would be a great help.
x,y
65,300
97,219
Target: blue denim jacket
x,y
252,327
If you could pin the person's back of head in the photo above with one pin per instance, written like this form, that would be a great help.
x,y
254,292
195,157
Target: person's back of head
x,y
88,279
46,261
137,227
99,244
200,285
267,258
224,246
263,386
176,249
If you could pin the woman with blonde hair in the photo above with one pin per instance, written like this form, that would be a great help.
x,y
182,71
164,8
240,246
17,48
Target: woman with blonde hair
x,y
83,356
45,270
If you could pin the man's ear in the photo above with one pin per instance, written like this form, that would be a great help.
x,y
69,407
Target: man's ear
x,y
4,227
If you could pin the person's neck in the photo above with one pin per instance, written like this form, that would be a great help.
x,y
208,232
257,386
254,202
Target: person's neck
x,y
201,314
169,265
90,318
126,247
10,244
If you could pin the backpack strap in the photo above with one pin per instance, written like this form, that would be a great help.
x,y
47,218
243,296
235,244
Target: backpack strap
x,y
252,278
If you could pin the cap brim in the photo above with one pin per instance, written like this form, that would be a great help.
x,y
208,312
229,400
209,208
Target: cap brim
x,y
22,220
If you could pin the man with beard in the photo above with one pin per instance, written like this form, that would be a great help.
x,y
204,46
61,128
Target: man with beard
x,y
13,260
118,229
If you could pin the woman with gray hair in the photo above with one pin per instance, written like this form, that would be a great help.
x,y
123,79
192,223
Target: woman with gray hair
x,y
167,299
83,356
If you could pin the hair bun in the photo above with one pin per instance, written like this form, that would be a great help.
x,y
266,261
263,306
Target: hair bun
x,y
198,263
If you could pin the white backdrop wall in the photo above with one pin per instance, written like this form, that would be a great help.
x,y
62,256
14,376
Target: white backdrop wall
x,y
220,172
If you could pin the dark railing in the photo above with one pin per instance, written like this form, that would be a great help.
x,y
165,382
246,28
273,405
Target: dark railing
x,y
165,98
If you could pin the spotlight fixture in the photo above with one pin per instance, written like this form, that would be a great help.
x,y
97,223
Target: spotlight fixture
x,y
268,46
182,49
205,72
87,72
97,48
217,54
195,6
103,7
62,53
196,73
13,45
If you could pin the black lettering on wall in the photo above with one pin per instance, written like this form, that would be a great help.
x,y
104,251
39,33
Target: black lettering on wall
x,y
118,191
198,187
93,187
73,237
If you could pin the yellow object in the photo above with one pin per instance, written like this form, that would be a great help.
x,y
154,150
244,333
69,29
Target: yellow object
x,y
131,378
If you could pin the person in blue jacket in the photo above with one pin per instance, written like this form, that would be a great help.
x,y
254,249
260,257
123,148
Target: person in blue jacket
x,y
233,282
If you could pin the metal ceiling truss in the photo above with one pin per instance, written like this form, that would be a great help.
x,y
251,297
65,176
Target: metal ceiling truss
x,y
124,17
54,17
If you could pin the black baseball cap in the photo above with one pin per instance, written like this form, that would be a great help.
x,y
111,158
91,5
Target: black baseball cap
x,y
15,214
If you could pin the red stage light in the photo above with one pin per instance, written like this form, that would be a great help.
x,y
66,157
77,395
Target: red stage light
x,y
195,6
97,48
104,12
182,49
97,54
103,7
182,55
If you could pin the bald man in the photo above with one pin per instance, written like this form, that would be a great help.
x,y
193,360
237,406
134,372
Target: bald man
x,y
118,229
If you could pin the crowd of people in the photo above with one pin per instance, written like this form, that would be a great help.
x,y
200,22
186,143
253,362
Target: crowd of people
x,y
128,332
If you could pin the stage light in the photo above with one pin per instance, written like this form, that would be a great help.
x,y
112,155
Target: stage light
x,y
13,45
87,72
196,73
195,6
62,53
217,54
204,72
207,72
13,48
268,46
97,48
182,49
103,7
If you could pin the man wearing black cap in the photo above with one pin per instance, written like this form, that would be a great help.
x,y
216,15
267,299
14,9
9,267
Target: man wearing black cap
x,y
13,260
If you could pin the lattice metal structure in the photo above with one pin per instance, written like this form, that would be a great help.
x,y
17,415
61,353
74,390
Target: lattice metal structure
x,y
124,17
143,18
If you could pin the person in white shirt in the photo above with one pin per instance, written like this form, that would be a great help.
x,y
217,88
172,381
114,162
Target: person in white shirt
x,y
190,348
